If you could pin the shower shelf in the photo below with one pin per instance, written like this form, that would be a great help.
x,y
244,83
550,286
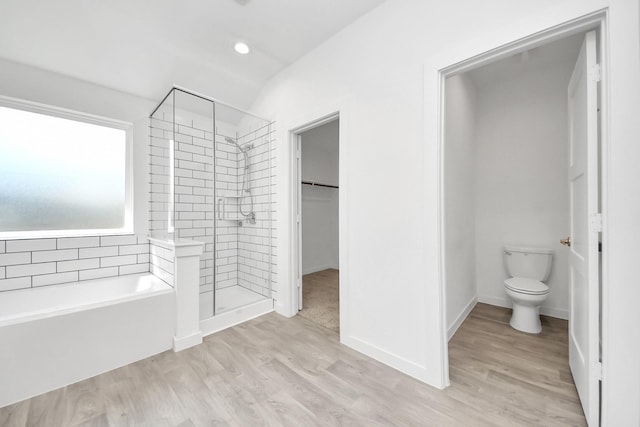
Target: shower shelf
x,y
238,220
229,196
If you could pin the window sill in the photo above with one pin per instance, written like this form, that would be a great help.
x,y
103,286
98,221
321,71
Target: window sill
x,y
57,234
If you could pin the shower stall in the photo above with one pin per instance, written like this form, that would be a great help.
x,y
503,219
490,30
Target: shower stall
x,y
211,182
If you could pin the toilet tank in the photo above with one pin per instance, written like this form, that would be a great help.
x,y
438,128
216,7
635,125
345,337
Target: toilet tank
x,y
529,262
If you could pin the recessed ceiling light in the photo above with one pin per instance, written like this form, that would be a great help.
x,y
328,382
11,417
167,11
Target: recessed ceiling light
x,y
242,48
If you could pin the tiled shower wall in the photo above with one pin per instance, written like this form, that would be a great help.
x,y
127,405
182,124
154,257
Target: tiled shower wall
x,y
254,240
194,208
227,189
241,249
41,262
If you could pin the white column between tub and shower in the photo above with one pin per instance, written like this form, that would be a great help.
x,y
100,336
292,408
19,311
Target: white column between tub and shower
x,y
184,254
187,284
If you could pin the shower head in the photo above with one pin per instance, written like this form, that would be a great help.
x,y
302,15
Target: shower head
x,y
233,141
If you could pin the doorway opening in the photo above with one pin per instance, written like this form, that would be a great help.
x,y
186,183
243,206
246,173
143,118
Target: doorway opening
x,y
317,217
508,164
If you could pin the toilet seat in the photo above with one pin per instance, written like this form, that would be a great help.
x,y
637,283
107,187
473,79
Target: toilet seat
x,y
526,286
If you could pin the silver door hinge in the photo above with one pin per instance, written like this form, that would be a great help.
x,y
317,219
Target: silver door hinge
x,y
597,371
595,222
594,73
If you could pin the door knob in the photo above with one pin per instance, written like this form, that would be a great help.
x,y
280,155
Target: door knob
x,y
566,242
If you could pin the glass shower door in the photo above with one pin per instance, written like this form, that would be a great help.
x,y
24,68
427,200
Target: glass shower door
x,y
194,172
210,169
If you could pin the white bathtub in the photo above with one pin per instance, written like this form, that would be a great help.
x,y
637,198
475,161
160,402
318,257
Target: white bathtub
x,y
57,335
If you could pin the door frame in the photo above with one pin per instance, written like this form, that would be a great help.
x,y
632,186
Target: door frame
x,y
296,193
597,20
320,116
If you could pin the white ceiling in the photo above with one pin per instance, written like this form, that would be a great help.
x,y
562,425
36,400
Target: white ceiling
x,y
145,46
535,60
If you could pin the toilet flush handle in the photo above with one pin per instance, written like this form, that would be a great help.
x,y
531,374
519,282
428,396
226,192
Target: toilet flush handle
x,y
566,242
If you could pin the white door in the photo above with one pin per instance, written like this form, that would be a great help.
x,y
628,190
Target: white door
x,y
585,224
299,217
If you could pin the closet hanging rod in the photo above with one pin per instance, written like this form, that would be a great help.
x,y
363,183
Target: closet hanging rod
x,y
317,184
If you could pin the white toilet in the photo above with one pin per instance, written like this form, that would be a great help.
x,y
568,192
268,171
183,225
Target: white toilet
x,y
528,268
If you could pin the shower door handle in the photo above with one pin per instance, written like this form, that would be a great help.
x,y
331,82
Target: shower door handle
x,y
221,208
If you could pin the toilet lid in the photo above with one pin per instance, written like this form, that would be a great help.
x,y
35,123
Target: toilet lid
x,y
526,286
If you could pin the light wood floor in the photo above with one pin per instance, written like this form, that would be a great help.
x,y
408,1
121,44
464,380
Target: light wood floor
x,y
321,298
291,372
515,378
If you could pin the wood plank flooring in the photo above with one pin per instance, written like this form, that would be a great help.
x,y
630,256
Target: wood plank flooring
x,y
518,378
291,372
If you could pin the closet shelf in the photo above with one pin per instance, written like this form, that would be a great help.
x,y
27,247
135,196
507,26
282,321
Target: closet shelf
x,y
317,184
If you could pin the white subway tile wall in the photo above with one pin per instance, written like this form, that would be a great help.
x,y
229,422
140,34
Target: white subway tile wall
x,y
161,132
30,245
161,262
15,259
228,184
31,269
43,262
193,185
98,273
12,284
55,278
255,240
60,255
81,242
242,250
83,264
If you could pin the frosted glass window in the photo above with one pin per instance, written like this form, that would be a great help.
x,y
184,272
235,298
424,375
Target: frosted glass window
x,y
58,174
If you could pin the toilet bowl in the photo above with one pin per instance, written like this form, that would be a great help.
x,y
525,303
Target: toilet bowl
x,y
527,296
528,267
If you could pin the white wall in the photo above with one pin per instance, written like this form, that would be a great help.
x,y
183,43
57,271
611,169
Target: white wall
x,y
521,185
460,199
320,154
382,72
320,204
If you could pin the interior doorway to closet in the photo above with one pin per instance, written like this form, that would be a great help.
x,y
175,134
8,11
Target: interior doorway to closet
x,y
318,233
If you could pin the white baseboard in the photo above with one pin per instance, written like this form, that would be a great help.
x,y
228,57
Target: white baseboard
x,y
183,343
461,317
315,269
284,310
491,300
234,317
560,313
395,361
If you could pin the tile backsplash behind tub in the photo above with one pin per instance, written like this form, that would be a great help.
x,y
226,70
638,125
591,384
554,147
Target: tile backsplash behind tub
x,y
41,262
